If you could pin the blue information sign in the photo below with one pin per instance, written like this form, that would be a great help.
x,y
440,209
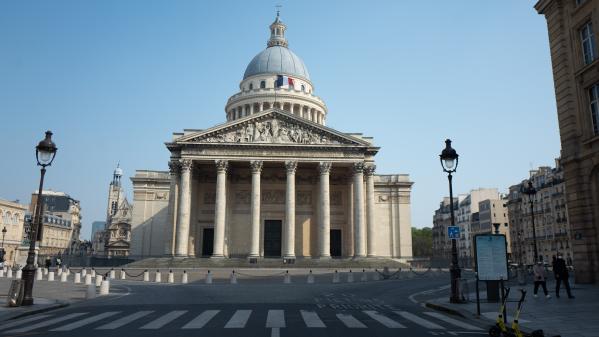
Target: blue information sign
x,y
453,232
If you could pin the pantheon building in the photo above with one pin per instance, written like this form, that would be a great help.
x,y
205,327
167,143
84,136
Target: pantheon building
x,y
272,181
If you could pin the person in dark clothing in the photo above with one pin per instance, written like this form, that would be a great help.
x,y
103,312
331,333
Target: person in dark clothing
x,y
48,263
561,275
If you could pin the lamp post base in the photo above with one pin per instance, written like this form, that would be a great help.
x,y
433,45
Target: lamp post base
x,y
28,279
455,273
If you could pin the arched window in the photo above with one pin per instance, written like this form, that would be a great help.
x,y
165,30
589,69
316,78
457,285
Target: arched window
x,y
303,87
262,84
251,86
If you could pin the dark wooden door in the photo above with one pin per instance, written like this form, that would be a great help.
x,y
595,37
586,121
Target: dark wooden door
x,y
335,242
272,238
207,241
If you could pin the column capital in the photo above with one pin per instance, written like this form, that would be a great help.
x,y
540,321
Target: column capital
x,y
369,169
324,167
256,166
185,164
221,165
359,167
174,167
291,166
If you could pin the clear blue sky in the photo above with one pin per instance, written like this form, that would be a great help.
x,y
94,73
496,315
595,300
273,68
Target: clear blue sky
x,y
113,79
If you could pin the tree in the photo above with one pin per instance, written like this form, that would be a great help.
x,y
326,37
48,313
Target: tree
x,y
422,242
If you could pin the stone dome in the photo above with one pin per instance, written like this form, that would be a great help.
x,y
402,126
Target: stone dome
x,y
277,60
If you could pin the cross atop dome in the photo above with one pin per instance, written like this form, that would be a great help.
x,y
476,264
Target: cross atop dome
x,y
277,33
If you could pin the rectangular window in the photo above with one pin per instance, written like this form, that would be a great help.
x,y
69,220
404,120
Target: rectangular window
x,y
588,42
594,105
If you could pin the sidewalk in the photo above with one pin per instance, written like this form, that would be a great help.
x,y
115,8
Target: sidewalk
x,y
47,296
566,317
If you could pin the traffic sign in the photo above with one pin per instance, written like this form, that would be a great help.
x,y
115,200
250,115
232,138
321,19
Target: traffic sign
x,y
453,232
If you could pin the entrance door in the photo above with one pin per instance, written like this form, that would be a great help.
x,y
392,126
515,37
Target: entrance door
x,y
335,243
207,241
272,238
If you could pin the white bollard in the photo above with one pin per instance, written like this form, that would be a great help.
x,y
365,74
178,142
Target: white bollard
x,y
287,278
336,277
376,275
2,272
146,276
68,271
45,271
98,280
93,273
83,272
63,277
184,277
208,277
19,274
91,289
58,271
158,278
233,277
310,277
9,273
171,277
88,279
123,274
364,277
77,277
105,287
112,276
350,277
51,276
39,275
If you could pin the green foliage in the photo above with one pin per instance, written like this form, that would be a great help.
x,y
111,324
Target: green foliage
x,y
422,242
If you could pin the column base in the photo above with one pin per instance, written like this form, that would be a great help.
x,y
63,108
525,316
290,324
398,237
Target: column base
x,y
253,259
358,257
290,259
326,257
180,255
217,256
371,255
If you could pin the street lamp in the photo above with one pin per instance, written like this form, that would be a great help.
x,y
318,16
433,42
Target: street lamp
x,y
449,162
531,192
3,235
45,151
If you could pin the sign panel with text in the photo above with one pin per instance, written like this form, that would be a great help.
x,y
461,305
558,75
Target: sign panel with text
x,y
491,257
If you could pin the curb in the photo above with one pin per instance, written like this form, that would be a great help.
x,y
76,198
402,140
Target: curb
x,y
445,309
57,305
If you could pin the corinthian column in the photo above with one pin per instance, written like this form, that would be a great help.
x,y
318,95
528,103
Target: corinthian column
x,y
369,172
171,227
256,166
220,208
324,228
289,242
184,209
360,230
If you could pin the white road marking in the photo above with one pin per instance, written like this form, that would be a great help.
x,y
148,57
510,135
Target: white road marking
x,y
275,332
85,321
452,321
275,319
384,320
124,320
47,323
21,321
201,320
164,320
311,319
239,319
350,321
418,320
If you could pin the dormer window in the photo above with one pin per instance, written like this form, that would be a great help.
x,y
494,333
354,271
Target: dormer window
x,y
303,87
262,84
251,86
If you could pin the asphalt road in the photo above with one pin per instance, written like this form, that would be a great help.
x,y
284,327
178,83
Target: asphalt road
x,y
377,308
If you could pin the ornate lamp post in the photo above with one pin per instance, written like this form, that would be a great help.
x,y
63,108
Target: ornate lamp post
x,y
531,192
45,152
3,235
449,162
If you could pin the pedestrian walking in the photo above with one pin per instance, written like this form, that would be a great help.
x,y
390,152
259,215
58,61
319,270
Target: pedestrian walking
x,y
561,275
540,277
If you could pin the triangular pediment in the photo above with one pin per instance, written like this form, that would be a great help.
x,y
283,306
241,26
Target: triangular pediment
x,y
272,127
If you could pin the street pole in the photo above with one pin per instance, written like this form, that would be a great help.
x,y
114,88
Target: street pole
x,y
454,270
534,232
3,235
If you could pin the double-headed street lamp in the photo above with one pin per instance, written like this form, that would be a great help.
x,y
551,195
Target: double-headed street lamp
x,y
45,152
531,192
449,162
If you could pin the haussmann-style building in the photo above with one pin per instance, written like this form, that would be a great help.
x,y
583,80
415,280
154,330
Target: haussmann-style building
x,y
272,180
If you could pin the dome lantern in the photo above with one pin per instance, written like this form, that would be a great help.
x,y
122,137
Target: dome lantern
x,y
277,33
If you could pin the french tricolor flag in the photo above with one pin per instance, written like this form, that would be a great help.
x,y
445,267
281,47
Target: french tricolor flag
x,y
284,81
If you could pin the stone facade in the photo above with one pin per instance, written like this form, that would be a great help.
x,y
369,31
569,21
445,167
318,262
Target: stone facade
x,y
272,181
552,227
12,215
573,30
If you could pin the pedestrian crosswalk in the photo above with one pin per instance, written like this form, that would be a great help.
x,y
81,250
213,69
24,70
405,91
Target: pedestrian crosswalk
x,y
236,319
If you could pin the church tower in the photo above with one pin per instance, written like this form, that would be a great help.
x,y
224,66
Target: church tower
x,y
115,194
